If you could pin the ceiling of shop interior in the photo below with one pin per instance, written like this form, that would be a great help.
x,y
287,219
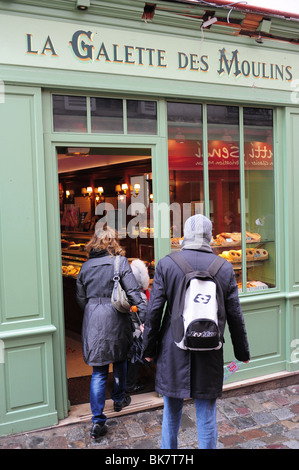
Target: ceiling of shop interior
x,y
98,157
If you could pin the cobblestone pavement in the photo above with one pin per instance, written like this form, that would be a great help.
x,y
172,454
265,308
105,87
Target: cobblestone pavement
x,y
263,420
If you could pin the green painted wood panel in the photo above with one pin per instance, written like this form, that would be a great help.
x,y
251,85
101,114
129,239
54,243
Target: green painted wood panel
x,y
24,282
20,263
27,392
265,325
19,373
27,397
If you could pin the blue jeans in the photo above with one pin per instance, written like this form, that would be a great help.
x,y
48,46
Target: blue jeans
x,y
98,388
205,419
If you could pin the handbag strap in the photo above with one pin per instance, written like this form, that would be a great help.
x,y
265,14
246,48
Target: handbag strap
x,y
116,268
116,264
116,276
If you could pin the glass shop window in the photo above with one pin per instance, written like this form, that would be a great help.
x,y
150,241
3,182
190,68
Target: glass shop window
x,y
141,117
224,182
259,197
185,165
69,113
106,115
234,202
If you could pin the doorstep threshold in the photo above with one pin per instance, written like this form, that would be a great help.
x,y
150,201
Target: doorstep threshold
x,y
139,402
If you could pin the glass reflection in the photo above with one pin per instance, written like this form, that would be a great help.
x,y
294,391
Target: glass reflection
x,y
185,165
142,117
69,113
106,115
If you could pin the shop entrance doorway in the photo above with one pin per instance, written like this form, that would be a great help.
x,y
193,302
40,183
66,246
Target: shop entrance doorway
x,y
97,183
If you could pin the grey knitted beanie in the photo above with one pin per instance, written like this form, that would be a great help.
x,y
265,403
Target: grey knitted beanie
x,y
197,233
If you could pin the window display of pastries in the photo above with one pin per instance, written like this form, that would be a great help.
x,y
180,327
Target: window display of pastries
x,y
70,270
234,238
177,242
253,286
252,254
260,254
148,230
253,237
234,256
226,238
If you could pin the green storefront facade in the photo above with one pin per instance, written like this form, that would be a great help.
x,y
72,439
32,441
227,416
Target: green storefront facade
x,y
238,101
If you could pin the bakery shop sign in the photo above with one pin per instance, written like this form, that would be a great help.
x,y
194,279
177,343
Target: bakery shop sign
x,y
188,155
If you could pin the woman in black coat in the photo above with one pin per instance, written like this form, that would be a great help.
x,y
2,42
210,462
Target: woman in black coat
x,y
183,373
107,334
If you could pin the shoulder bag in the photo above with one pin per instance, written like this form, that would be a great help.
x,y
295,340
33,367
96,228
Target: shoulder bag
x,y
119,298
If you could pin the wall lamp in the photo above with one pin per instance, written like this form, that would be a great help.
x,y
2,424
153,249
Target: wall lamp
x,y
136,190
121,188
82,4
86,191
124,188
98,192
69,193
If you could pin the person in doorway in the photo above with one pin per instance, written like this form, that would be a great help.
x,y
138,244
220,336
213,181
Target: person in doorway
x,y
182,373
140,272
107,334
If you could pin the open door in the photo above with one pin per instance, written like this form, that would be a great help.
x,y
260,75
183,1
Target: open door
x,y
114,183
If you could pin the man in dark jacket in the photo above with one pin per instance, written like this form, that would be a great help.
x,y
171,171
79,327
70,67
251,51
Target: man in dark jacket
x,y
183,373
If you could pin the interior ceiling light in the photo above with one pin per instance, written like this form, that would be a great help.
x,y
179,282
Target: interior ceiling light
x,y
80,151
148,11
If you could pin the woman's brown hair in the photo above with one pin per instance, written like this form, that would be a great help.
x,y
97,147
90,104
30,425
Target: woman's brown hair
x,y
105,239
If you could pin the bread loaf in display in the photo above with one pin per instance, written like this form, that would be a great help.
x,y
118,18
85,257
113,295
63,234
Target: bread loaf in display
x,y
235,238
252,254
260,254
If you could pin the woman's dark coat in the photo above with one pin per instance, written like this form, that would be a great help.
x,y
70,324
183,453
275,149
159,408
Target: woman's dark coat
x,y
180,373
106,332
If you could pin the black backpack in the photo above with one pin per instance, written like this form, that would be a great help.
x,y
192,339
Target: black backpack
x,y
198,312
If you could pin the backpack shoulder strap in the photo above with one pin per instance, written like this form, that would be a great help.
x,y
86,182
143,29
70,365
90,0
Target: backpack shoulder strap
x,y
186,267
181,262
216,265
